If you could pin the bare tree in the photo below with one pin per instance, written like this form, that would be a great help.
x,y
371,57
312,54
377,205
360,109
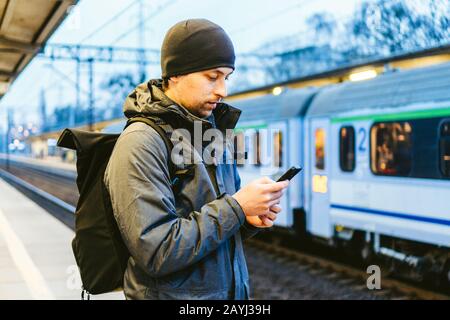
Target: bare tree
x,y
118,86
378,28
387,27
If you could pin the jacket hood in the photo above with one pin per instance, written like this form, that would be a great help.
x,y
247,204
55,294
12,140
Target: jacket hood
x,y
149,99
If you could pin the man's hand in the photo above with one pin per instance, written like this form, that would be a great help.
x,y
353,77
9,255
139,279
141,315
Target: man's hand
x,y
258,199
264,221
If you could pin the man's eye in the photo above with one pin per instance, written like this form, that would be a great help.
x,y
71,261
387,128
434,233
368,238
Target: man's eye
x,y
212,78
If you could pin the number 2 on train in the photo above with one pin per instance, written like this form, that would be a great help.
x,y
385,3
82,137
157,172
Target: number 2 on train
x,y
362,135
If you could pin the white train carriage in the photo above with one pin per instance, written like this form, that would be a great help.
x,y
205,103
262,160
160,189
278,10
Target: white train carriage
x,y
378,162
376,158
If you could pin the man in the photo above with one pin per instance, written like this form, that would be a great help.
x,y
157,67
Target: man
x,y
186,244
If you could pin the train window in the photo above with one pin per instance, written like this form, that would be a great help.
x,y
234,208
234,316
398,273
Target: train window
x,y
347,149
278,149
444,149
247,145
391,148
240,148
320,148
257,149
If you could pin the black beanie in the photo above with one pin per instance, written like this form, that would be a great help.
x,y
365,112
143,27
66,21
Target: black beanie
x,y
195,45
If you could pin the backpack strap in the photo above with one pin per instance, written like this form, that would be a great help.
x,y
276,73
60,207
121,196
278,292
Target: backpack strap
x,y
167,142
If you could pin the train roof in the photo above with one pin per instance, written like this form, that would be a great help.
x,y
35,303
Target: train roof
x,y
290,103
389,90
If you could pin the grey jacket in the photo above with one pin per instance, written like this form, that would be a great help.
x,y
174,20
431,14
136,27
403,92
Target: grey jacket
x,y
187,244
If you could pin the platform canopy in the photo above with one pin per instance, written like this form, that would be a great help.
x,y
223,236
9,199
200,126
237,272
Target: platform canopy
x,y
25,26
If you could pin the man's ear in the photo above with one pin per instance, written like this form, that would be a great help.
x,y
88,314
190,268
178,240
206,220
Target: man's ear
x,y
174,79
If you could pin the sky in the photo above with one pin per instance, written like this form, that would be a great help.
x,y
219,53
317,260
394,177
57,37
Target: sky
x,y
249,23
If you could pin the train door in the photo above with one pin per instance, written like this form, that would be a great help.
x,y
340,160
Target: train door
x,y
277,142
319,156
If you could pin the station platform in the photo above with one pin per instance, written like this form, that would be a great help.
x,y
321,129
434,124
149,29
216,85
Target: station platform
x,y
36,259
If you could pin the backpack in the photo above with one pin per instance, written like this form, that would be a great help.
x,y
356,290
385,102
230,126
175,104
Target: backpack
x,y
99,250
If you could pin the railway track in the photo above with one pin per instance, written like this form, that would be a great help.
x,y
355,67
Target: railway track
x,y
277,271
62,186
31,184
339,274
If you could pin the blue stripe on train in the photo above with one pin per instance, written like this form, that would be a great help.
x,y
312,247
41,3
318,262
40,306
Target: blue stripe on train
x,y
392,214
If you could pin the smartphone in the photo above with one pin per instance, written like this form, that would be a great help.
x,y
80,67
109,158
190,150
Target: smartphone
x,y
288,175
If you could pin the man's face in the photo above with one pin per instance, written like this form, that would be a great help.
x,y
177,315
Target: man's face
x,y
199,92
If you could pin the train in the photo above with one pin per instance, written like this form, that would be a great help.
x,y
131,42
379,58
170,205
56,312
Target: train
x,y
376,159
376,165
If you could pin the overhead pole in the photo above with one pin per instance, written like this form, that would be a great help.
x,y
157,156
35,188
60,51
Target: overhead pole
x,y
91,115
141,44
8,137
43,110
73,111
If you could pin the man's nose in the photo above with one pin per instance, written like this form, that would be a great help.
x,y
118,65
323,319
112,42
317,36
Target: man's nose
x,y
221,89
